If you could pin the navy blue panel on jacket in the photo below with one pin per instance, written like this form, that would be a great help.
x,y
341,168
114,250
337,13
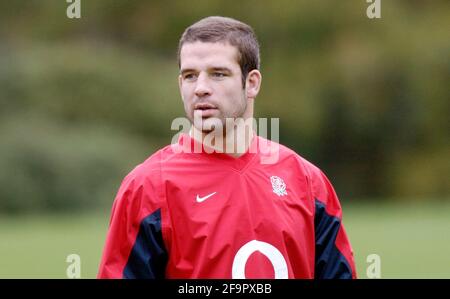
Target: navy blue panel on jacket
x,y
148,257
329,261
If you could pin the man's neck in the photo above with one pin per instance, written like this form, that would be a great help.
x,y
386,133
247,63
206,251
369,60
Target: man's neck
x,y
234,143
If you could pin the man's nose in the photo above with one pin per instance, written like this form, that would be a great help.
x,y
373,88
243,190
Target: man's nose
x,y
202,87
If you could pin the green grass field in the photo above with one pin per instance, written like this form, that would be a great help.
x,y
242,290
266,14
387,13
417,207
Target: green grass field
x,y
412,241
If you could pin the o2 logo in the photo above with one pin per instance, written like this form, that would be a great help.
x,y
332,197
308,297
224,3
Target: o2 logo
x,y
271,252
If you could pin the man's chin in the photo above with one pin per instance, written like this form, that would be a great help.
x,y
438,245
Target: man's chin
x,y
209,125
209,130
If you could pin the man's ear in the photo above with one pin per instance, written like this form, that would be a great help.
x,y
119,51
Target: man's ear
x,y
253,84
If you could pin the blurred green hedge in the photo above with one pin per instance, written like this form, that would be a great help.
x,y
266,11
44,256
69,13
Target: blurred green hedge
x,y
83,101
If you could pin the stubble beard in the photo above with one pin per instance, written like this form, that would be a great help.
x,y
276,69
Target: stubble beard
x,y
216,125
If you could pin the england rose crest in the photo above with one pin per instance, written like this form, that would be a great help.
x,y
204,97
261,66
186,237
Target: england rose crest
x,y
278,186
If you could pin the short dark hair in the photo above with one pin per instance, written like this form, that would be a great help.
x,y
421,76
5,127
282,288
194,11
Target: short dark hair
x,y
223,29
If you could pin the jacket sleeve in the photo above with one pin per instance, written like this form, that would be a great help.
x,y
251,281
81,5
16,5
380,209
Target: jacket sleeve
x,y
134,245
333,252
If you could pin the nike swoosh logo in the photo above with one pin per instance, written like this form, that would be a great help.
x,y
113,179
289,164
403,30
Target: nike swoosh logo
x,y
200,199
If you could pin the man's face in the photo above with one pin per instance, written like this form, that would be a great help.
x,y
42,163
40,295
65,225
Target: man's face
x,y
211,84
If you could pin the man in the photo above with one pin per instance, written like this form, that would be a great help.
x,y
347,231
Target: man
x,y
223,211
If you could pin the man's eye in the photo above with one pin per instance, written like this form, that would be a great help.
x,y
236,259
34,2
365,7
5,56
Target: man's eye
x,y
219,75
189,76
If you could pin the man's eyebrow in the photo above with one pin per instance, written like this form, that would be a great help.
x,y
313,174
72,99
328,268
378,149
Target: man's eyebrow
x,y
223,69
183,71
218,68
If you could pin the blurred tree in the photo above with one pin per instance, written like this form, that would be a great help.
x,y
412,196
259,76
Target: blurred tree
x,y
83,101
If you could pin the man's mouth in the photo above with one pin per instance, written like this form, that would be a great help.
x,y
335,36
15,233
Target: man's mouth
x,y
205,110
204,106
